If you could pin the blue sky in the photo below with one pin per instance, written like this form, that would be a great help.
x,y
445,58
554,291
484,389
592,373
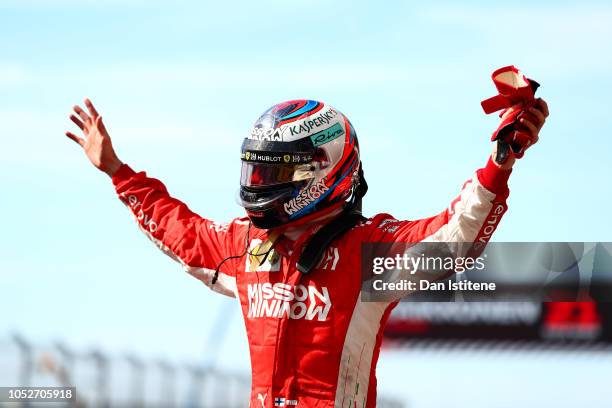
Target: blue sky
x,y
179,84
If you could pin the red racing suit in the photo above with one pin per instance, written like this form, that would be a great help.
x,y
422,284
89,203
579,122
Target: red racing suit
x,y
313,343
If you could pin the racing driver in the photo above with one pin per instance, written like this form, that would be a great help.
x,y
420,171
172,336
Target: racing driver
x,y
293,261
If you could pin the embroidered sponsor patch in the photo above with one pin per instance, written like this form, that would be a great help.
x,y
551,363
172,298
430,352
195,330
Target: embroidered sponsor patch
x,y
278,300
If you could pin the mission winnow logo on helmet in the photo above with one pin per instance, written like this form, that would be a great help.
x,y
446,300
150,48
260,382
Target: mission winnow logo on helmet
x,y
305,197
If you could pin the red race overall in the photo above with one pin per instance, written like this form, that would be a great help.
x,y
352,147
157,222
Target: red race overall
x,y
313,343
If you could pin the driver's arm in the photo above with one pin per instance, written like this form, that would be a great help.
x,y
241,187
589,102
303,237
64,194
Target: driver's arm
x,y
475,214
471,217
200,245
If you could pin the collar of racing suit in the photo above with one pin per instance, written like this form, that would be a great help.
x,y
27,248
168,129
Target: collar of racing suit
x,y
294,232
297,236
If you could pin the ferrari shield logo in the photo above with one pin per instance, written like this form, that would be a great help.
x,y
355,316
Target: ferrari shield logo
x,y
247,155
287,158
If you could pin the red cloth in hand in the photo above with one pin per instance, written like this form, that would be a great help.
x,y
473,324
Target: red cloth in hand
x,y
514,88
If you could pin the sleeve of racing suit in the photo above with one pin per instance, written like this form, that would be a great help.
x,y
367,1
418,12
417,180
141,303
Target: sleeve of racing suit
x,y
472,217
200,245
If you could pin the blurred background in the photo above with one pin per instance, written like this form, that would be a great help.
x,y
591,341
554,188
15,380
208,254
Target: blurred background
x,y
83,294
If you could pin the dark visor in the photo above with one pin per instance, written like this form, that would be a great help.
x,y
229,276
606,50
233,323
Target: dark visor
x,y
267,163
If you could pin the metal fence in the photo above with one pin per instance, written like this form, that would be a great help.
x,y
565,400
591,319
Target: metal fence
x,y
105,380
110,380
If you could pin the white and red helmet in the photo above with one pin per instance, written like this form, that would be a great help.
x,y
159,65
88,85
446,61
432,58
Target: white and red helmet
x,y
300,159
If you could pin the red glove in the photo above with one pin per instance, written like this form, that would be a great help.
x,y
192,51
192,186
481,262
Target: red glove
x,y
514,88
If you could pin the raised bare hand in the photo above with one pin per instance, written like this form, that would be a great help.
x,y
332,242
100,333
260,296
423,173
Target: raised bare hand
x,y
96,142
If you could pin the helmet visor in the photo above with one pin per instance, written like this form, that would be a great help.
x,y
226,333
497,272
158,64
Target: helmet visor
x,y
266,175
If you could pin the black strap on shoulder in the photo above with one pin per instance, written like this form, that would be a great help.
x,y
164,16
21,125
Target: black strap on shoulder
x,y
348,219
320,241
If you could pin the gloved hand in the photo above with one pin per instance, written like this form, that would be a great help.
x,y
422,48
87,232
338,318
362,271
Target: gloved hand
x,y
522,117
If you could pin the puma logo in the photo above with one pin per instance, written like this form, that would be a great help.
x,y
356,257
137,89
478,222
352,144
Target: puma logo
x,y
262,398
